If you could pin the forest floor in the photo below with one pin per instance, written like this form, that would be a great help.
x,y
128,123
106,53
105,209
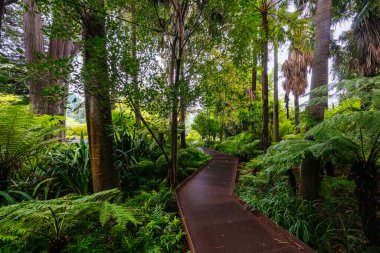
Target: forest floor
x,y
216,221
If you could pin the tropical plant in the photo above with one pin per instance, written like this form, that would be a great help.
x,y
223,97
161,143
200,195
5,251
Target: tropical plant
x,y
346,138
22,136
271,195
65,169
38,225
295,70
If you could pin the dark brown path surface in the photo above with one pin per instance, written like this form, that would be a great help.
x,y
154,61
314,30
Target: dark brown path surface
x,y
215,220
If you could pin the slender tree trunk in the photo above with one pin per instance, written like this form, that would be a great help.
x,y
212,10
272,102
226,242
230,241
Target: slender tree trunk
x,y
98,102
179,8
287,106
276,134
182,121
320,59
366,190
173,179
296,111
254,76
2,13
135,75
265,129
182,104
34,46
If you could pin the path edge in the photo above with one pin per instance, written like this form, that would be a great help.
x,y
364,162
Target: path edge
x,y
182,217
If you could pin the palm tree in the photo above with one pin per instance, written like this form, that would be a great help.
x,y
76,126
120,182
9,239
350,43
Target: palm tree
x,y
295,72
366,33
320,59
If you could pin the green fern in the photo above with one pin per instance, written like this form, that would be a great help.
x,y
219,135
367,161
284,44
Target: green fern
x,y
344,138
116,213
22,135
28,218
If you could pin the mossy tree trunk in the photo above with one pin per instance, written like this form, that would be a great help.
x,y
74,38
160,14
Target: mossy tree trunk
x,y
97,100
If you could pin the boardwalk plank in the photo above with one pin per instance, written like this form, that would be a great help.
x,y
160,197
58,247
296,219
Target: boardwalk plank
x,y
217,222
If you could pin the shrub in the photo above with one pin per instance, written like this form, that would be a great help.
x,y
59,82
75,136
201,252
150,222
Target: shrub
x,y
66,168
145,168
309,221
242,145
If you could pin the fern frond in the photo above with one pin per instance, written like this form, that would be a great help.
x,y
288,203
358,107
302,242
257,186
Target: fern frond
x,y
116,213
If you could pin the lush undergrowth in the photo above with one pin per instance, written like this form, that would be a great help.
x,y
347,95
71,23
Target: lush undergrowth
x,y
47,203
102,222
242,145
329,224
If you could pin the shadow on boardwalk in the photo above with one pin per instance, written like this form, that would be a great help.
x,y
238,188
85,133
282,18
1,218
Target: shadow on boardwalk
x,y
215,220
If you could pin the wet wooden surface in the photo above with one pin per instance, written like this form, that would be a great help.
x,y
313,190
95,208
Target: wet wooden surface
x,y
216,221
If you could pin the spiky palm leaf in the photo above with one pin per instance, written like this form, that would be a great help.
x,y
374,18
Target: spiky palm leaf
x,y
366,32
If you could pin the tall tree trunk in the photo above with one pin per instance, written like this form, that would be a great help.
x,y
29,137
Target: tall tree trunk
x,y
296,111
182,121
287,106
366,190
254,76
265,129
276,134
179,8
172,173
56,105
320,59
97,100
2,13
182,103
34,45
135,75
173,179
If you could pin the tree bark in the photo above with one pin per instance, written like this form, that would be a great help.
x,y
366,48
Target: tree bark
x,y
320,72
310,179
182,121
2,13
97,100
276,134
296,111
366,190
56,104
34,45
265,128
135,75
254,76
287,106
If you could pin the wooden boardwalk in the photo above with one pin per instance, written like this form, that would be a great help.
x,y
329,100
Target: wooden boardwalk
x,y
216,221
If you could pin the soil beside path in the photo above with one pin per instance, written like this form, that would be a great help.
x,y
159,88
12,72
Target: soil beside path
x,y
215,220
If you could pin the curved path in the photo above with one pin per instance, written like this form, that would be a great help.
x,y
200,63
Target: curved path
x,y
216,221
